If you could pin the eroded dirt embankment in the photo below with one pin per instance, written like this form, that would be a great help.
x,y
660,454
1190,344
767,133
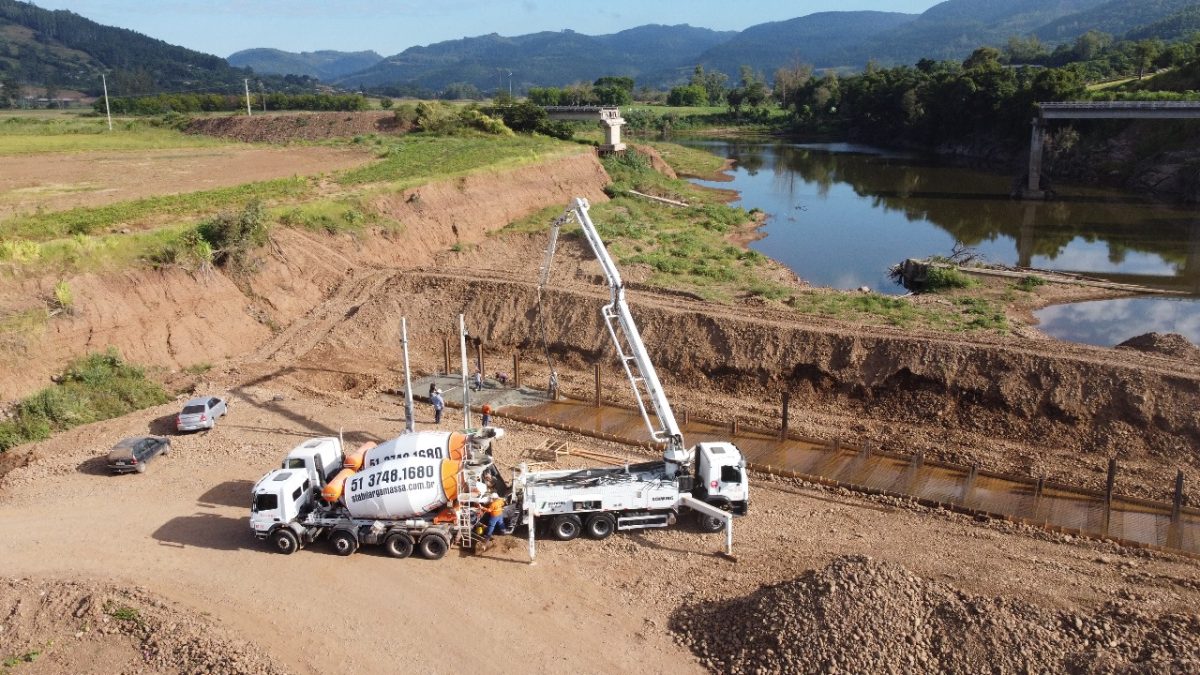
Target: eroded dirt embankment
x,y
1036,407
174,319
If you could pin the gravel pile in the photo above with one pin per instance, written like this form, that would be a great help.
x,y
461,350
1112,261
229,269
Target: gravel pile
x,y
1166,344
859,615
61,624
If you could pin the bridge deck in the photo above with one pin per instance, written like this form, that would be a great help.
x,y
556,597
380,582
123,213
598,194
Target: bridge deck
x,y
1120,110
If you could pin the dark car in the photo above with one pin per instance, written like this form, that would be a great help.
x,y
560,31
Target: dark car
x,y
132,454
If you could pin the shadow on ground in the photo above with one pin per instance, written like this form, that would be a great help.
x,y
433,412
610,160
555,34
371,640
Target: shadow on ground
x,y
207,530
229,493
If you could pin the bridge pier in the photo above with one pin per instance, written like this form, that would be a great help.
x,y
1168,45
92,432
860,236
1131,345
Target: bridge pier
x,y
1037,141
612,133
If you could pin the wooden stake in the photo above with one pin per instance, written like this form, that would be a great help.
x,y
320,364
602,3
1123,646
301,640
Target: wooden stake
x,y
783,424
1108,493
517,370
597,403
445,355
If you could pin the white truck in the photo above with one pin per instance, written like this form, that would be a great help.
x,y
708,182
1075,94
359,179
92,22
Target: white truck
x,y
416,491
708,480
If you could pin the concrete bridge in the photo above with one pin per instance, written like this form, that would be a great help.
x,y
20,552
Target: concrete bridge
x,y
1096,110
608,116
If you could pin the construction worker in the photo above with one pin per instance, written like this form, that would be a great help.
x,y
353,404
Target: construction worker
x,y
495,516
553,388
487,416
477,380
439,404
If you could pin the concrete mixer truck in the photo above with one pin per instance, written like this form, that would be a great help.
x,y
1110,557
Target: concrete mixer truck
x,y
417,492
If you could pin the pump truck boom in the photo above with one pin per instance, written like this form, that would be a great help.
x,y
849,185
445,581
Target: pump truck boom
x,y
709,480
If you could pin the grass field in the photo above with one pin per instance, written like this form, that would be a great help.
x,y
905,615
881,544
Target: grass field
x,y
417,158
28,134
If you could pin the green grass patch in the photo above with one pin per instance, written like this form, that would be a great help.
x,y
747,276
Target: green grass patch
x,y
30,135
1029,283
88,220
92,388
419,158
946,278
688,161
333,216
17,659
981,314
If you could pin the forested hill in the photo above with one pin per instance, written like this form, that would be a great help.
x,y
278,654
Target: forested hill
x,y
62,49
325,65
829,39
1117,17
955,28
555,58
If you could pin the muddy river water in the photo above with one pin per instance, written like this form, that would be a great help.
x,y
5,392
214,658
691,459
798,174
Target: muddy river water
x,y
840,215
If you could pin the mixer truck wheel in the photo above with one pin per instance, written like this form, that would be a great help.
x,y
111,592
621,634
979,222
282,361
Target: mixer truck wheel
x,y
599,525
398,545
285,541
565,527
434,546
708,523
343,542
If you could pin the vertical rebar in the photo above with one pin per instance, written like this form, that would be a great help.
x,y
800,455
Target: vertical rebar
x,y
1177,503
1108,494
783,423
445,355
733,427
597,402
968,486
1037,497
517,370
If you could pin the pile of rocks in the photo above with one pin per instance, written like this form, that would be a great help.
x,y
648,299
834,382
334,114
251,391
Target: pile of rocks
x,y
63,624
861,615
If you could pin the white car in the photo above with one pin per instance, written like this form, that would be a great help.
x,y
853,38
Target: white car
x,y
201,413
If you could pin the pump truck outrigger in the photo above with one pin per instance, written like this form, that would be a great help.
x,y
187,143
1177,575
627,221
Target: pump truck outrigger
x,y
709,479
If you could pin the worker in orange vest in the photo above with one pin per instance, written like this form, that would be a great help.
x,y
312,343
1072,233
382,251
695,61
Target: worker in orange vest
x,y
487,416
495,514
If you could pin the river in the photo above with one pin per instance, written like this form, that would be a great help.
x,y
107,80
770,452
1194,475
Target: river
x,y
840,215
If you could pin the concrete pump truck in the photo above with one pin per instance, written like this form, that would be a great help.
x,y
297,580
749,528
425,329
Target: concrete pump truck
x,y
708,480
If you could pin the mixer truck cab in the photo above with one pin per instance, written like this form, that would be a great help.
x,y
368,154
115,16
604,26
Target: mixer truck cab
x,y
721,477
278,500
318,458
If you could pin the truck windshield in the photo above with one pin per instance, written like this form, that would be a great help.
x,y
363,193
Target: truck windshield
x,y
265,502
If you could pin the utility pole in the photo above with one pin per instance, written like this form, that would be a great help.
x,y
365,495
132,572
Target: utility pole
x,y
462,347
510,84
107,110
263,95
247,83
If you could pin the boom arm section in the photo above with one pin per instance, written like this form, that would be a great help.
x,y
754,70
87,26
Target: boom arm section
x,y
631,351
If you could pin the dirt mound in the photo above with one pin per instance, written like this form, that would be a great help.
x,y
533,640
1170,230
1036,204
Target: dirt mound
x,y
1166,344
67,626
860,615
660,165
297,126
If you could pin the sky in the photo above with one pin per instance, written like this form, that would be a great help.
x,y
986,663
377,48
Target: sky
x,y
223,27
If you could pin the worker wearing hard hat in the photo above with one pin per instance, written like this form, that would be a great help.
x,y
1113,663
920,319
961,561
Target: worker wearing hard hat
x,y
487,416
495,516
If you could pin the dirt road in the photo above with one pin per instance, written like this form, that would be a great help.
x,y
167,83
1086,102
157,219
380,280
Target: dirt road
x,y
180,531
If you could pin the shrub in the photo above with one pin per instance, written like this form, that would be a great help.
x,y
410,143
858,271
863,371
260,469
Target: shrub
x,y
64,299
943,278
1030,282
232,235
92,388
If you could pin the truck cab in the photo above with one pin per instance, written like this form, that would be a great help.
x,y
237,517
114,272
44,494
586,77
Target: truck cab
x,y
279,498
319,458
721,477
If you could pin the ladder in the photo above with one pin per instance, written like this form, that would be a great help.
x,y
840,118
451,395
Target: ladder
x,y
463,533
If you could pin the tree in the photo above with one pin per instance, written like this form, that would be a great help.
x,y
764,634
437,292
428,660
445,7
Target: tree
x,y
1089,45
625,83
789,82
10,91
712,82
1025,51
613,95
687,95
751,91
1144,53
984,57
545,95
385,103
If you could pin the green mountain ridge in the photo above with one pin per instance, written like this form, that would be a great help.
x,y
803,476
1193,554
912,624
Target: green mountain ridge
x,y
1115,17
62,49
324,65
